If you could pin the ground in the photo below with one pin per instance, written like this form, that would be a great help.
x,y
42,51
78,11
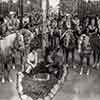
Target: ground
x,y
78,87
75,87
8,91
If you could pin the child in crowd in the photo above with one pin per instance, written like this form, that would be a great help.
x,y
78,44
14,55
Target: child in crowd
x,y
32,60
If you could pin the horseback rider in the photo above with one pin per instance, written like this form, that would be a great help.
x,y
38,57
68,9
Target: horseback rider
x,y
68,39
85,24
77,28
94,39
2,27
13,23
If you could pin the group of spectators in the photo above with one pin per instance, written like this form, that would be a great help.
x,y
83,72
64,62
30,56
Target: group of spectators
x,y
57,27
85,39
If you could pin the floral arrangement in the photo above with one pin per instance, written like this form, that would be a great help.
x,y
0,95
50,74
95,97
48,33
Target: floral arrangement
x,y
33,89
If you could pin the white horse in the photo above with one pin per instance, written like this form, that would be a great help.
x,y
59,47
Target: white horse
x,y
12,42
28,36
85,51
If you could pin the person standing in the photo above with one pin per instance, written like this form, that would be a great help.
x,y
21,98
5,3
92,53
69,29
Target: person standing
x,y
2,26
32,60
13,23
94,40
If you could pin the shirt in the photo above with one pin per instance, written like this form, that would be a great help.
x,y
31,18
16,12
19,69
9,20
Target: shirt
x,y
32,59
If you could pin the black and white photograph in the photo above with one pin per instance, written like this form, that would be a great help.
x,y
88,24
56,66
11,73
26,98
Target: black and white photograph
x,y
49,49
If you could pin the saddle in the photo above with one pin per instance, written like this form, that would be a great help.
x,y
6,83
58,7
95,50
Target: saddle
x,y
69,40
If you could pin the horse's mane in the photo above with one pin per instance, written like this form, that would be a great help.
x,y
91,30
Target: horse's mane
x,y
10,37
16,44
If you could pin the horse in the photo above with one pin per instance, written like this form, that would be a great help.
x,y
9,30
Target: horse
x,y
85,51
95,44
69,45
28,36
9,44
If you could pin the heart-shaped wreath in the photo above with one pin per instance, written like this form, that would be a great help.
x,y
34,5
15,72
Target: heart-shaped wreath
x,y
41,86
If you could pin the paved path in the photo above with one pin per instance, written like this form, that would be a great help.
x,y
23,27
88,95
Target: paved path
x,y
78,87
8,91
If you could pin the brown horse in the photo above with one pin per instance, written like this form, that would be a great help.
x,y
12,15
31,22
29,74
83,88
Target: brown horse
x,y
28,36
12,42
69,45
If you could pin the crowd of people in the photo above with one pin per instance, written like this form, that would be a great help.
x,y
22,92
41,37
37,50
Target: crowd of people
x,y
72,34
67,32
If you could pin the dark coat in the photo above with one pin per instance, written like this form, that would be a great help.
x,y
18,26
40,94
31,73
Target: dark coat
x,y
95,43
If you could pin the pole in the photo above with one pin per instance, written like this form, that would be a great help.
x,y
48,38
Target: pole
x,y
44,7
21,13
44,35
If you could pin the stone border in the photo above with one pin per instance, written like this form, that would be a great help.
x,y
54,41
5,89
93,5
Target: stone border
x,y
50,95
